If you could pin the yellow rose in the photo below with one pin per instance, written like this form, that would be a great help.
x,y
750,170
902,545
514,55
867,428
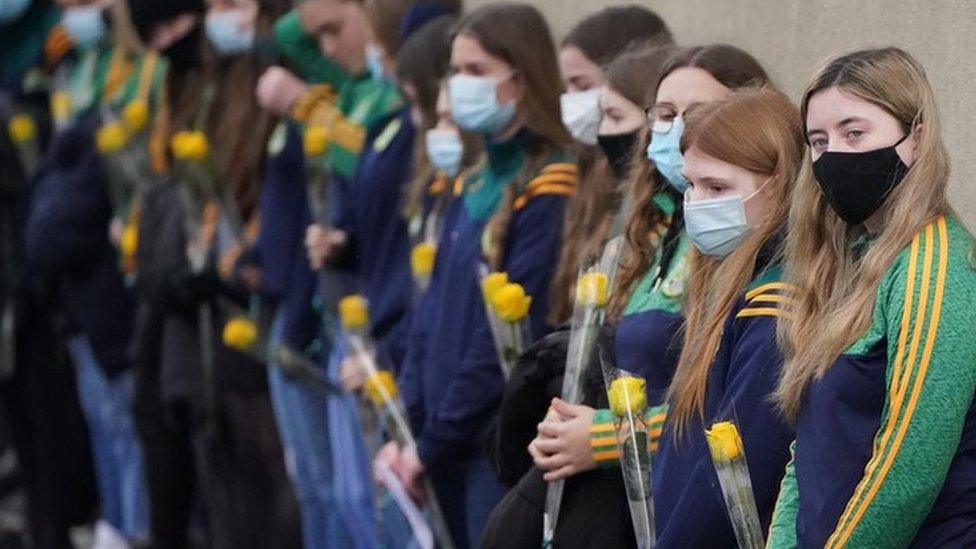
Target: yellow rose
x,y
492,283
353,312
22,128
380,386
316,140
136,115
592,290
240,333
511,303
191,146
60,105
422,258
724,441
130,240
627,394
111,138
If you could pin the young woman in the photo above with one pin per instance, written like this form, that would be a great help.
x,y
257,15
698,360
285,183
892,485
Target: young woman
x,y
741,156
631,82
881,360
505,87
650,288
67,242
587,50
378,243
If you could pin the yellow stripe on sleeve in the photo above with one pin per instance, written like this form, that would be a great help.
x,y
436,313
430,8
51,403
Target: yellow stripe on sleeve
x,y
902,378
768,287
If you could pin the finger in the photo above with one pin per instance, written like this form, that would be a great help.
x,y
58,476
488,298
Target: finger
x,y
559,474
565,409
535,452
551,429
550,446
549,463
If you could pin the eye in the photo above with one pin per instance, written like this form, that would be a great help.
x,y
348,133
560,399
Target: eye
x,y
819,144
854,134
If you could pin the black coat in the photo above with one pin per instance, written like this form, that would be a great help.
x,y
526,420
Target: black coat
x,y
594,512
67,241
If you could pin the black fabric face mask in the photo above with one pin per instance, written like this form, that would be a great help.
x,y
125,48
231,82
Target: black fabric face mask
x,y
619,150
856,184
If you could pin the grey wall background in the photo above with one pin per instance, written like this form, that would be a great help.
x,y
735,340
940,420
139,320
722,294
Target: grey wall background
x,y
792,38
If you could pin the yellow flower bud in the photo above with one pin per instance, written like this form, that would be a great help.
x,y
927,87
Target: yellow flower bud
x,y
130,240
22,129
627,394
592,290
316,140
136,115
511,303
60,105
111,138
422,258
491,284
197,147
724,441
240,333
191,146
353,312
380,386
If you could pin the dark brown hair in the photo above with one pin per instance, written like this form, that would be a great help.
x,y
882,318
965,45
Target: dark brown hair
x,y
238,127
386,17
423,63
518,34
609,32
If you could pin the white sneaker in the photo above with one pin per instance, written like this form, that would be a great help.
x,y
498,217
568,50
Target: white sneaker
x,y
107,537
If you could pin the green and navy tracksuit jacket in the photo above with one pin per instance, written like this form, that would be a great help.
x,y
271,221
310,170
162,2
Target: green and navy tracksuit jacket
x,y
885,451
648,336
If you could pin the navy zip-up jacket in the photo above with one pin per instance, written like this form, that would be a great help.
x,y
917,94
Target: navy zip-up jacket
x,y
452,383
379,240
689,508
287,279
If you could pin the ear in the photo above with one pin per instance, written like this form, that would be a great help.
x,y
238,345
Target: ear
x,y
521,85
909,149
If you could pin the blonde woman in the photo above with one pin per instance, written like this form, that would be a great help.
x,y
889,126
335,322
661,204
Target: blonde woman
x,y
880,349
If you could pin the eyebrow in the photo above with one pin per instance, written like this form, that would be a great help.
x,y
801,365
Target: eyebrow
x,y
850,120
841,124
713,180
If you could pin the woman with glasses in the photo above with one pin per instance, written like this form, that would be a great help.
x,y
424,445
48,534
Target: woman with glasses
x,y
649,292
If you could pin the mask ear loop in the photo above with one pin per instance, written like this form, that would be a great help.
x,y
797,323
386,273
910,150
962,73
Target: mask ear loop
x,y
759,189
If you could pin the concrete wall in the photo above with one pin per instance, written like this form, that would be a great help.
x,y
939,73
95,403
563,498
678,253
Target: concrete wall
x,y
792,38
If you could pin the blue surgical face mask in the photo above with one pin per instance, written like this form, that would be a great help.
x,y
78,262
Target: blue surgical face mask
x,y
10,10
225,32
444,150
665,152
374,61
717,226
85,25
475,106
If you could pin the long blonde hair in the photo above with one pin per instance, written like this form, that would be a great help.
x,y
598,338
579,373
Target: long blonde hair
x,y
758,130
835,295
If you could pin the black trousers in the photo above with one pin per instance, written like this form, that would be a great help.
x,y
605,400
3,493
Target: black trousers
x,y
49,434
